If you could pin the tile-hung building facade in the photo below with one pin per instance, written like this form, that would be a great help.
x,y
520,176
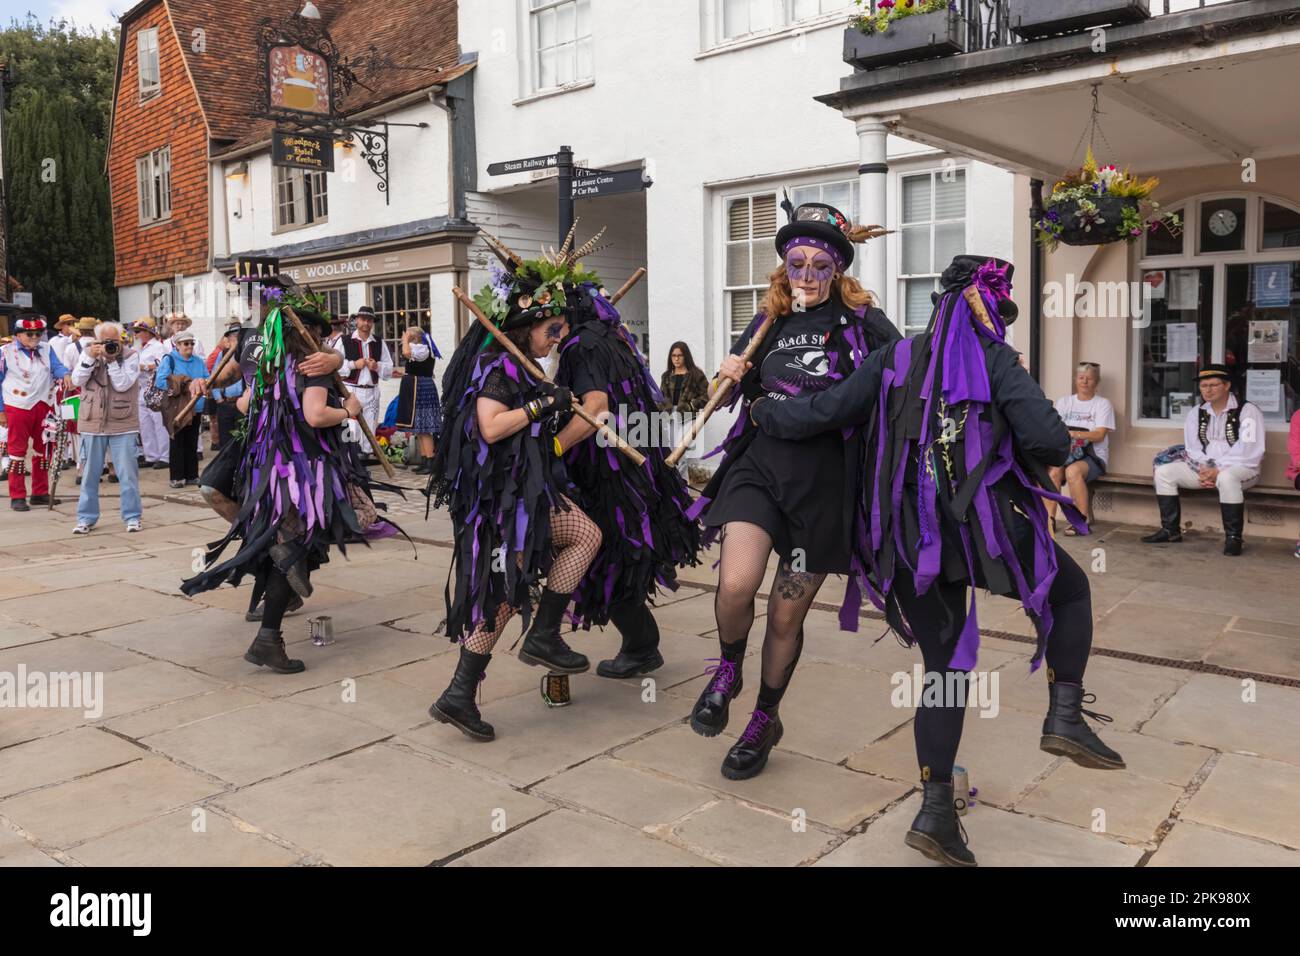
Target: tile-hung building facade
x,y
194,186
713,99
1191,91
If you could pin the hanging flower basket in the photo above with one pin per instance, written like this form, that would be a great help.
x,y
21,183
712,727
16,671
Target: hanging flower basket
x,y
901,30
1096,205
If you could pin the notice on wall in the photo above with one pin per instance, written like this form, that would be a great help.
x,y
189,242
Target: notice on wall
x,y
1180,403
1273,285
1267,344
1180,342
1184,290
1264,389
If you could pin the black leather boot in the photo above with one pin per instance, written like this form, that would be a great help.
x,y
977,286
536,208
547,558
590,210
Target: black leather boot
x,y
1234,524
640,651
267,650
543,645
1066,734
937,831
295,604
456,705
712,709
1171,520
749,755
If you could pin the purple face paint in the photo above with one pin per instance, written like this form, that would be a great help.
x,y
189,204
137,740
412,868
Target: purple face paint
x,y
800,268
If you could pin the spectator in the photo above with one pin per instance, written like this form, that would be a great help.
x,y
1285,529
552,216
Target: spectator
x,y
181,376
367,362
685,391
223,412
1293,469
418,409
1090,419
108,374
180,322
1223,448
338,329
153,433
65,328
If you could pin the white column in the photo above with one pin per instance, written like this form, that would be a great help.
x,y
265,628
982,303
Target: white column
x,y
873,203
442,324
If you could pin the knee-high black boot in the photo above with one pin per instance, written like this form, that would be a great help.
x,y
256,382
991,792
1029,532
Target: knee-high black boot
x,y
456,705
640,651
936,831
1067,734
543,645
1234,524
1171,520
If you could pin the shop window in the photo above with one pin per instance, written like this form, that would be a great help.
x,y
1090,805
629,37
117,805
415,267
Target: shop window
x,y
561,38
750,258
933,214
336,301
398,306
1281,227
1177,341
1223,225
301,198
1262,324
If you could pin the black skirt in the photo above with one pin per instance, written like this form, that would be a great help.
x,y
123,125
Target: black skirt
x,y
793,490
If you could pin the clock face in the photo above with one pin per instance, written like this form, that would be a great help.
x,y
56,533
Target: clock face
x,y
1223,222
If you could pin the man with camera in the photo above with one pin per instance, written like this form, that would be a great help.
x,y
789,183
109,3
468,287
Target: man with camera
x,y
108,374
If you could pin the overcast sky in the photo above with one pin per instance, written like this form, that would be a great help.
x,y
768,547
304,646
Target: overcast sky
x,y
100,14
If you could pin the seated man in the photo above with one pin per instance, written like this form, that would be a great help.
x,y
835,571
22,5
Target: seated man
x,y
1090,419
1224,442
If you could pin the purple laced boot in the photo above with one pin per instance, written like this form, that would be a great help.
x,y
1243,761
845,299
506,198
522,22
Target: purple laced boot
x,y
710,714
749,756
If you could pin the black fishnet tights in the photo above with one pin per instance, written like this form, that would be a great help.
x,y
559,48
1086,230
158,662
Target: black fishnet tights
x,y
745,550
576,539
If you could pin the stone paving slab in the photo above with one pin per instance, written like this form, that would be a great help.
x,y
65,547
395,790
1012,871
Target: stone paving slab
x,y
997,838
1250,796
1103,801
179,713
266,740
378,701
217,841
731,833
1189,844
1209,710
382,806
1259,653
612,788
200,635
15,633
149,685
828,794
1183,632
95,805
95,608
566,838
62,757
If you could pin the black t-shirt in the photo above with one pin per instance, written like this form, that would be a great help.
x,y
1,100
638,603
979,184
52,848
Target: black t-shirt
x,y
799,360
332,397
250,353
678,382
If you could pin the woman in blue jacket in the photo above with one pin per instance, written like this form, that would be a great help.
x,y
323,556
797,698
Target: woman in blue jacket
x,y
181,361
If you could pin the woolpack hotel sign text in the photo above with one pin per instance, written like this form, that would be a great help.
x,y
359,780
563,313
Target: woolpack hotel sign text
x,y
302,151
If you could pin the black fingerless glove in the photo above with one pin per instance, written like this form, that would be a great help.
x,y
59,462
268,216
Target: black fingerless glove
x,y
559,399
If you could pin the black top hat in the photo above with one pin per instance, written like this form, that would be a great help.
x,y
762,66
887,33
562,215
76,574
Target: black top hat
x,y
824,224
961,273
261,269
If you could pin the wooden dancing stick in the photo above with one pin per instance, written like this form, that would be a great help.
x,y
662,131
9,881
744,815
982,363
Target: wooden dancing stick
x,y
976,303
719,396
216,372
627,286
531,367
343,391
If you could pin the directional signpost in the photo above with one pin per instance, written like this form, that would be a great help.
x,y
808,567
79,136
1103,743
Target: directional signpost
x,y
574,182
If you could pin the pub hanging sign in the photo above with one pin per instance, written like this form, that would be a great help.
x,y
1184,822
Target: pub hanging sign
x,y
302,151
300,78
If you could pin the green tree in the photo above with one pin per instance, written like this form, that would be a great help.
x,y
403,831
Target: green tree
x,y
61,225
59,58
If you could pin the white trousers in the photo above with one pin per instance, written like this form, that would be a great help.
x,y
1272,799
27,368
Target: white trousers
x,y
153,434
369,398
1232,482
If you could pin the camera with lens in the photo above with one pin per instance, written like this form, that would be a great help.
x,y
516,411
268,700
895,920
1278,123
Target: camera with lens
x,y
112,348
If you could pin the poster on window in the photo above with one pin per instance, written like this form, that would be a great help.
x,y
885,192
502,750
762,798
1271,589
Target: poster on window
x,y
1264,389
1180,342
1184,290
1273,286
1267,343
1180,403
